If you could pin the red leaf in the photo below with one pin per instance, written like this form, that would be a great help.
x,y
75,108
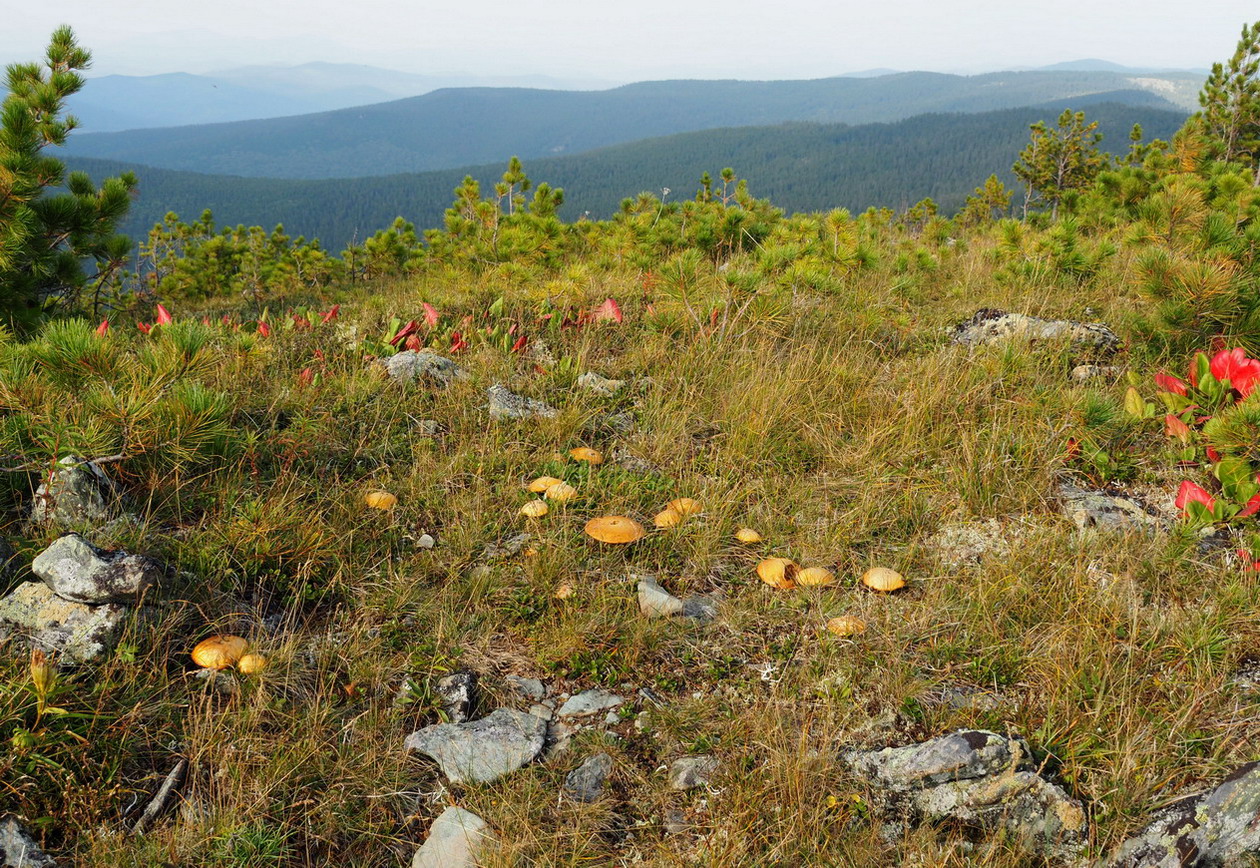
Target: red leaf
x,y
1169,383
1174,427
412,342
608,311
1191,493
430,315
145,328
1213,455
102,328
403,332
457,342
331,314
520,344
264,329
1251,507
306,377
163,316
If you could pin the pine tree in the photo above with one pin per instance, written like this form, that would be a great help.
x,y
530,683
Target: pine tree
x,y
1059,160
45,236
1229,122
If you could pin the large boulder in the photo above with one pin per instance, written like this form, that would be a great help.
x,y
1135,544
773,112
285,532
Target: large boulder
x,y
423,366
82,573
484,749
76,631
1212,830
990,326
456,838
78,492
981,779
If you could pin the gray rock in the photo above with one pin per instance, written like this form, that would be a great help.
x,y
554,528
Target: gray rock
x,y
967,543
593,382
80,572
427,428
77,493
425,541
458,692
627,460
692,771
482,750
586,782
978,778
1085,373
1214,829
76,631
530,688
622,423
456,839
18,849
410,366
507,548
589,702
1104,511
656,602
675,822
995,326
507,405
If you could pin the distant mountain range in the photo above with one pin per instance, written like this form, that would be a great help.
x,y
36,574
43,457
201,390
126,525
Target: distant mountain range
x,y
798,166
462,126
126,102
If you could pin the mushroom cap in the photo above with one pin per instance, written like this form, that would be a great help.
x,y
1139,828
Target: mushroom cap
x,y
251,664
846,625
747,535
380,500
219,652
535,509
561,492
542,483
668,518
815,576
615,529
685,506
563,592
778,573
883,579
584,453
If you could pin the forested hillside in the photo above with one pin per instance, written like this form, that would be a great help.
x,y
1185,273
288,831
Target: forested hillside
x,y
468,126
800,167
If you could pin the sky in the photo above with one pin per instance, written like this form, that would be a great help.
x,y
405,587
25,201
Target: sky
x,y
632,41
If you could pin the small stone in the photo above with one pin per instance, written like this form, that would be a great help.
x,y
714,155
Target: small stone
x,y
482,750
541,711
675,822
507,405
593,382
412,365
656,602
458,692
425,541
692,771
219,680
586,782
1104,511
530,688
80,572
627,460
996,326
78,493
590,702
18,849
962,755
78,632
612,718
1085,373
456,839
507,548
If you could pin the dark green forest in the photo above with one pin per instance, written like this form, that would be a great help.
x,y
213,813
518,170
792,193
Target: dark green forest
x,y
469,126
799,167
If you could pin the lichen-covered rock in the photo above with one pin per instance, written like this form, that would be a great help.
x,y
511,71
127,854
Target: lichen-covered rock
x,y
996,326
18,849
1215,829
80,572
593,382
456,839
77,493
1085,373
458,692
982,779
482,750
505,404
589,702
967,543
76,631
586,782
411,366
693,771
1103,511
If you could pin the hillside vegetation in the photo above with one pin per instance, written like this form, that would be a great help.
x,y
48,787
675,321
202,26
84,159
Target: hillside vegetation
x,y
800,167
460,127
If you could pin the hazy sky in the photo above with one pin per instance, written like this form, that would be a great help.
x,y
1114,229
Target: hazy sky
x,y
632,39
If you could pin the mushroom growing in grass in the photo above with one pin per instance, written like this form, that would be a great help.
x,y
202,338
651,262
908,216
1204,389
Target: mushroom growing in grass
x,y
883,580
534,509
251,664
382,500
561,492
747,536
815,577
614,529
219,652
583,453
846,625
542,483
667,518
685,506
778,573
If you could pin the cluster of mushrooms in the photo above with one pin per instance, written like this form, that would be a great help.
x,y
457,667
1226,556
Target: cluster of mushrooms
x,y
224,651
